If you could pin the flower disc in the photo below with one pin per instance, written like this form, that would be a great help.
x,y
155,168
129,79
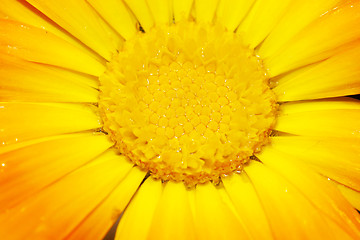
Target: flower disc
x,y
188,102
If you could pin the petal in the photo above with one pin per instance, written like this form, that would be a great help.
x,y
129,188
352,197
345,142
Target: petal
x,y
336,76
161,11
22,11
54,212
316,188
351,195
247,203
320,40
142,12
26,81
288,211
336,158
231,12
298,15
79,19
205,10
23,41
105,215
29,169
319,105
173,217
117,15
261,19
215,216
181,9
137,219
324,118
23,121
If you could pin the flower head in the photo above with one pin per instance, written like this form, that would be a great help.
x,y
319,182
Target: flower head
x,y
198,119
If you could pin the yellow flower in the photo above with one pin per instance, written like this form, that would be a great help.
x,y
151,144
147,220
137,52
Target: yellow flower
x,y
204,119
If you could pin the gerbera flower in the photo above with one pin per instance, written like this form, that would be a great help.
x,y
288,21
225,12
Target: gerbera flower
x,y
199,119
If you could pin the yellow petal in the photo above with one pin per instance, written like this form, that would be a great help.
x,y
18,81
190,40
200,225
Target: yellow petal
x,y
96,225
173,217
117,15
320,40
12,147
161,11
336,158
205,10
27,170
341,123
321,104
80,20
350,194
56,211
23,41
298,15
323,118
137,219
231,12
26,81
24,121
215,216
181,9
336,76
22,11
245,199
142,13
318,189
261,19
289,212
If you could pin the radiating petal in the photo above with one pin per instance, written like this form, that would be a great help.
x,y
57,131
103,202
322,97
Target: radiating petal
x,y
215,215
142,12
161,11
27,170
31,82
55,211
316,188
22,11
79,19
173,217
99,221
298,15
336,76
205,10
247,203
321,118
117,15
231,12
351,195
336,158
24,121
23,41
181,9
318,105
261,19
322,39
137,219
288,211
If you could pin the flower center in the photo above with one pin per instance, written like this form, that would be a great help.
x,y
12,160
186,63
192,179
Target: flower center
x,y
187,102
